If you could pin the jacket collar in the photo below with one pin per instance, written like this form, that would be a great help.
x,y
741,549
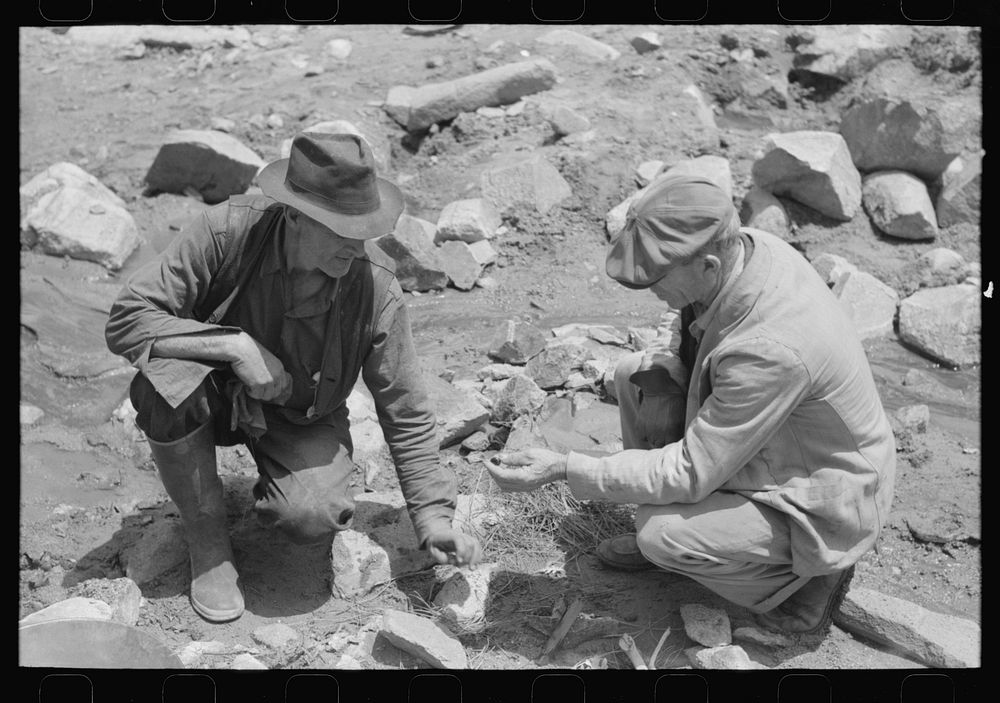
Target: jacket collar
x,y
737,302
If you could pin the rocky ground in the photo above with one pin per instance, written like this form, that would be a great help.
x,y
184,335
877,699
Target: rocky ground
x,y
95,522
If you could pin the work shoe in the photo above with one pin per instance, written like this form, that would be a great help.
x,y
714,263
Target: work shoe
x,y
622,552
810,610
188,472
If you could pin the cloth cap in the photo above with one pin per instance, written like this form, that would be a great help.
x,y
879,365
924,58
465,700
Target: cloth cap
x,y
331,178
671,221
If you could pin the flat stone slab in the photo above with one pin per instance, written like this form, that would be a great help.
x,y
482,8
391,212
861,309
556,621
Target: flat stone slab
x,y
457,411
214,164
518,181
423,638
277,636
122,594
516,396
944,323
554,364
707,626
934,639
437,102
813,168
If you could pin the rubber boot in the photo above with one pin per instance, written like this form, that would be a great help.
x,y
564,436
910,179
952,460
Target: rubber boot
x,y
187,469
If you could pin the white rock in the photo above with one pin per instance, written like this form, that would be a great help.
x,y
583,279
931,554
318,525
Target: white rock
x,y
411,246
518,181
192,654
469,220
959,191
277,636
423,638
499,372
647,171
943,323
707,626
66,211
464,596
359,564
458,413
899,205
339,49
565,120
942,267
77,607
646,42
832,268
460,264
30,414
518,395
813,168
870,304
762,210
214,164
437,102
397,103
246,661
730,656
934,639
483,252
580,43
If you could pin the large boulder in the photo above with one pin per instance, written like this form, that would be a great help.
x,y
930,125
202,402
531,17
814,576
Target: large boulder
x,y
846,52
869,303
899,205
761,210
919,135
65,211
517,181
813,168
411,245
457,411
461,264
582,45
959,190
437,102
469,220
944,323
214,164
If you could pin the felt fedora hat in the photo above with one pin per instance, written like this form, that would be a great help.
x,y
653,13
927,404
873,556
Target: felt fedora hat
x,y
331,178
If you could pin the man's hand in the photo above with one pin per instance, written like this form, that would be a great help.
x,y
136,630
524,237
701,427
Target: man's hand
x,y
454,547
261,371
528,469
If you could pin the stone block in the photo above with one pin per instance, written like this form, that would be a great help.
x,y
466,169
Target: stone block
x,y
944,323
215,164
899,205
423,638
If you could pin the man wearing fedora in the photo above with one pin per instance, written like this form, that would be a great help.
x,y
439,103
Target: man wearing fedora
x,y
759,454
252,327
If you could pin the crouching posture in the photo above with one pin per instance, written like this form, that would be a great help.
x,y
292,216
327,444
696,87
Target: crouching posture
x,y
252,327
758,452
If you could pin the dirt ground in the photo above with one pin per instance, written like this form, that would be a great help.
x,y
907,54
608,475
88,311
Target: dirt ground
x,y
88,488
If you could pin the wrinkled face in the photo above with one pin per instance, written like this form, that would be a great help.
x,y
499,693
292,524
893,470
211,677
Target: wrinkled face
x,y
316,240
693,282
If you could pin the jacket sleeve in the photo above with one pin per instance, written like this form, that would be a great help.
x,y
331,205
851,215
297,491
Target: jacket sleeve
x,y
159,300
755,388
392,373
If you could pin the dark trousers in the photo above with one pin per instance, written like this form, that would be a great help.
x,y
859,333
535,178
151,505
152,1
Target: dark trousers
x,y
304,470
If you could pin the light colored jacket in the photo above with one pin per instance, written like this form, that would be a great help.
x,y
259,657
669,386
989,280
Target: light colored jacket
x,y
781,408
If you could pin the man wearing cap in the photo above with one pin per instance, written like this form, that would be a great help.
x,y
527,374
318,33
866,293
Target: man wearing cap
x,y
252,327
759,455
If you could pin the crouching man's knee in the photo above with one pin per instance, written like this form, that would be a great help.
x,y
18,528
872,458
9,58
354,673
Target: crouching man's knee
x,y
624,369
303,524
